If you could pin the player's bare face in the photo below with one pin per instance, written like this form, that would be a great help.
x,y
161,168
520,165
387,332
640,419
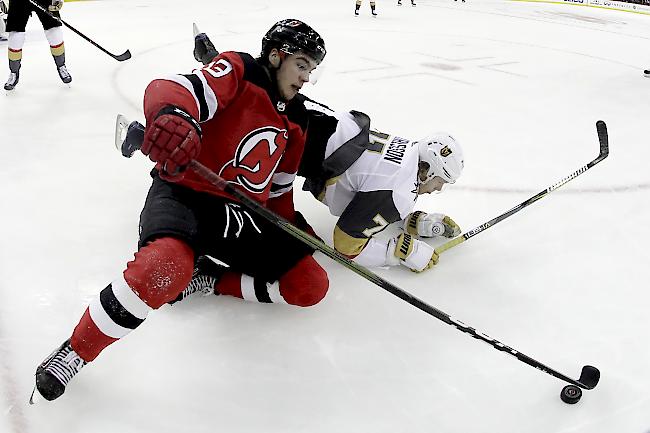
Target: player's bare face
x,y
293,73
435,184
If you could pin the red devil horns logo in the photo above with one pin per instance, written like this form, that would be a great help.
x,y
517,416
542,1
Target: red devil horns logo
x,y
256,158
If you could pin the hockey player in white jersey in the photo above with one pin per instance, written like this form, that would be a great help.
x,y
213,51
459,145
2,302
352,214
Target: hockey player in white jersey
x,y
370,179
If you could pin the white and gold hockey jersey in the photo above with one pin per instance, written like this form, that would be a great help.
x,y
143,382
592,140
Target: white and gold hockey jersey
x,y
367,178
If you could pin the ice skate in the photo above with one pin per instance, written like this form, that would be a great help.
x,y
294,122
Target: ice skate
x,y
647,73
12,80
206,275
64,74
413,3
399,2
53,375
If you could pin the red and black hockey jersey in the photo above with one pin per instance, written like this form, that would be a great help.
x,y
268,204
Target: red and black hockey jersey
x,y
251,138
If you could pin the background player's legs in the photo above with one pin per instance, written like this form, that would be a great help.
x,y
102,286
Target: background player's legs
x,y
16,23
57,48
357,7
3,20
54,34
15,44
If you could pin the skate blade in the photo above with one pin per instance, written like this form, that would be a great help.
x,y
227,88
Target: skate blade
x,y
36,397
121,124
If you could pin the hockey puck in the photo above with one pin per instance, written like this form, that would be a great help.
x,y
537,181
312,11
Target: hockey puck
x,y
571,394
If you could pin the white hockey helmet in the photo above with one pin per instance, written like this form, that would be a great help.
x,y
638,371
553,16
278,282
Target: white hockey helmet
x,y
443,154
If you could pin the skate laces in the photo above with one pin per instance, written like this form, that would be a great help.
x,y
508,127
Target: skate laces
x,y
65,364
63,72
200,283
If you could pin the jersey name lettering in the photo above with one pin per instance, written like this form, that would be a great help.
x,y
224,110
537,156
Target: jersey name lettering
x,y
396,150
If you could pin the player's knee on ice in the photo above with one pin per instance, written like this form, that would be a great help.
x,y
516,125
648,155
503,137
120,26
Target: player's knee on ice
x,y
305,284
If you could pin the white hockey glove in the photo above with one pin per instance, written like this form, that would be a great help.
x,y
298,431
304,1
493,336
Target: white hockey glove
x,y
55,5
429,225
416,255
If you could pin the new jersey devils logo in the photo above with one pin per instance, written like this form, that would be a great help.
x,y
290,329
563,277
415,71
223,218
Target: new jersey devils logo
x,y
256,158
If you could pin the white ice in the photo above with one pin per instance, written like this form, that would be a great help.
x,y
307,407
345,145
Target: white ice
x,y
521,85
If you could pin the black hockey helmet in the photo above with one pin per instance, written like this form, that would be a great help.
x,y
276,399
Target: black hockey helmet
x,y
290,36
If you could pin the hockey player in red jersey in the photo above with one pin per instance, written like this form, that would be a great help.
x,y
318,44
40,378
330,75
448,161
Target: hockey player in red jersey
x,y
245,119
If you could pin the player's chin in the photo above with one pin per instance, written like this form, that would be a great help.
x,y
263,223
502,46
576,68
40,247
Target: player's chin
x,y
292,92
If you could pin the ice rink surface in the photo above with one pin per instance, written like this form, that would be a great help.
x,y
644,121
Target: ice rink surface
x,y
520,85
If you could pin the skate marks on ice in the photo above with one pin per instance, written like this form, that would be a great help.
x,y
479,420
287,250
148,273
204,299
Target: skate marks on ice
x,y
398,71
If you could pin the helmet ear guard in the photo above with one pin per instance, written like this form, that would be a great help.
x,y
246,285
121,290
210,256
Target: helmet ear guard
x,y
443,155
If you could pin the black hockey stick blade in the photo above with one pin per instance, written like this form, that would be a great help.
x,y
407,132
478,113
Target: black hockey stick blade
x,y
589,376
121,57
601,128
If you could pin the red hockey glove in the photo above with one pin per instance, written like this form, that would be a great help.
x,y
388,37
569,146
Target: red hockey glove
x,y
172,140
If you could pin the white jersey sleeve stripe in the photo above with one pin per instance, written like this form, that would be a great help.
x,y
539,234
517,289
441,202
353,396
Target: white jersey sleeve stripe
x,y
281,184
281,178
183,81
209,96
373,254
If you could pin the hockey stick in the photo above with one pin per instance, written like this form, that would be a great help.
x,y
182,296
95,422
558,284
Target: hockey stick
x,y
119,57
601,128
589,375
